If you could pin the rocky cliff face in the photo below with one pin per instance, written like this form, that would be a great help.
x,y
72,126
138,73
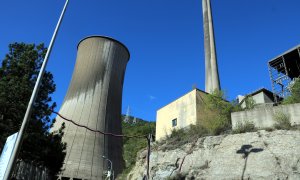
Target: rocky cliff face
x,y
256,155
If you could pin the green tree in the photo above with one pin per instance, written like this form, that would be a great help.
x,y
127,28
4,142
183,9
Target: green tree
x,y
18,75
249,102
131,146
216,113
295,93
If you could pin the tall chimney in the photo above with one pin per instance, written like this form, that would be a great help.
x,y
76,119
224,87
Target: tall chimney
x,y
212,81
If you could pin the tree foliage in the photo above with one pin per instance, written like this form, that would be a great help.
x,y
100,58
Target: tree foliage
x,y
249,102
131,146
295,93
216,113
18,75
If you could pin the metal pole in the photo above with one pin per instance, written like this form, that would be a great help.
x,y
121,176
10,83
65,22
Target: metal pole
x,y
111,169
148,156
27,116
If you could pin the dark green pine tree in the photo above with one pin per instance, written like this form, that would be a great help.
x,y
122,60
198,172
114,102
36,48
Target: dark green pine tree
x,y
18,75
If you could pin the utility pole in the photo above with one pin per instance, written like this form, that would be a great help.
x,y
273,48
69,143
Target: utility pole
x,y
27,116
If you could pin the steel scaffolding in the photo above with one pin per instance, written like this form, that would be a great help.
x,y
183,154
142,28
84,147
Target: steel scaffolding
x,y
283,70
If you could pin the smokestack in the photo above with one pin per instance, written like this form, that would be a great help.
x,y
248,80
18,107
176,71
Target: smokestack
x,y
212,81
94,99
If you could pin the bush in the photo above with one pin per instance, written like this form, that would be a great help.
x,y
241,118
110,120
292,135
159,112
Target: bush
x,y
179,137
247,126
282,121
295,93
177,133
131,146
216,113
236,107
249,102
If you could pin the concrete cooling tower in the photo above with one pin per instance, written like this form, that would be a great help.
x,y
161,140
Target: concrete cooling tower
x,y
94,99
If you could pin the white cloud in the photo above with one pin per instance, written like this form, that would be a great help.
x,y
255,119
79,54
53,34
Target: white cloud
x,y
152,98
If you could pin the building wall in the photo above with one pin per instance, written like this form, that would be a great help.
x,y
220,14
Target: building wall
x,y
260,98
267,99
182,109
186,109
94,100
264,117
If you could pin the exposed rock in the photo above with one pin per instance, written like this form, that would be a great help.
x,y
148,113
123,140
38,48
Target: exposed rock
x,y
257,155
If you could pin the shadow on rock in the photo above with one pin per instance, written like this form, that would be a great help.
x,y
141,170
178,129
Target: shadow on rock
x,y
246,150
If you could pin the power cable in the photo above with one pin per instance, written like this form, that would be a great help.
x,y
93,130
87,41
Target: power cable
x,y
148,137
97,131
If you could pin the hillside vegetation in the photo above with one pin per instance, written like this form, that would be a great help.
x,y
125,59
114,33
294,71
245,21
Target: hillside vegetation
x,y
295,93
131,146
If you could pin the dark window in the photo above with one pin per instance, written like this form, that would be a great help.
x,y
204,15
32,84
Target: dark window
x,y
174,122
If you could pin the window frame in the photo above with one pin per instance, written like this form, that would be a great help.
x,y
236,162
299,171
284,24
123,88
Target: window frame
x,y
174,122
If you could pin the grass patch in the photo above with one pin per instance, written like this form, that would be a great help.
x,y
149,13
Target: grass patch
x,y
282,121
247,126
180,137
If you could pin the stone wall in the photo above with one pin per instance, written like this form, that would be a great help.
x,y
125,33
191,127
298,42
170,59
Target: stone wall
x,y
263,117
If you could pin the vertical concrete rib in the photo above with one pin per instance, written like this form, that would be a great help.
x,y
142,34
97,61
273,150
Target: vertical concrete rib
x,y
94,99
212,81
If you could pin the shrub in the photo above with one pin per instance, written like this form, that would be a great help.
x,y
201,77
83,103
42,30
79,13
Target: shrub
x,y
247,126
179,137
216,113
236,107
177,133
249,102
131,146
282,120
295,93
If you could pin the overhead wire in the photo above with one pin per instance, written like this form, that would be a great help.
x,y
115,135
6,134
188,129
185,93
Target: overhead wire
x,y
97,131
148,137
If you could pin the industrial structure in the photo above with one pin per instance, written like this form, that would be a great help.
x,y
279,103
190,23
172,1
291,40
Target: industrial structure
x,y
94,100
261,98
265,116
283,70
179,114
212,81
186,110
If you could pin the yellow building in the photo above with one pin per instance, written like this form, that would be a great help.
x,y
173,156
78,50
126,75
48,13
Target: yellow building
x,y
179,114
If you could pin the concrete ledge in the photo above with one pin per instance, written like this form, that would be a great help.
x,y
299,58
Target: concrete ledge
x,y
262,117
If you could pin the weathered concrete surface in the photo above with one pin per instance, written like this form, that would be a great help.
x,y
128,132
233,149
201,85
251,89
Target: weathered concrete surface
x,y
186,110
212,81
263,117
94,99
274,155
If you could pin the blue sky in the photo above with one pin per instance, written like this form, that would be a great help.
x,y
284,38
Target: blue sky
x,y
165,39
